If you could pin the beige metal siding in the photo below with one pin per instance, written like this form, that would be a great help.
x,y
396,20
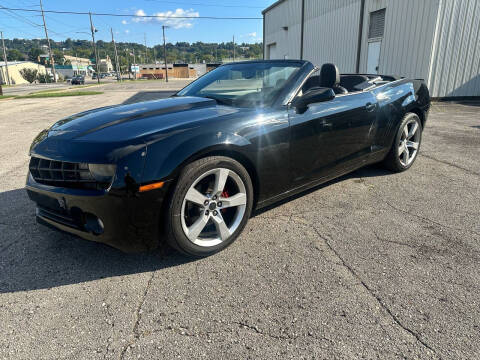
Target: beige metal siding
x,y
437,40
286,14
331,32
456,62
407,41
14,69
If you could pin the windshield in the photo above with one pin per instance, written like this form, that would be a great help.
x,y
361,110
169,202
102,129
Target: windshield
x,y
244,85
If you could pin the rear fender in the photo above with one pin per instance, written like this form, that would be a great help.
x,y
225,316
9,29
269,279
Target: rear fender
x,y
394,101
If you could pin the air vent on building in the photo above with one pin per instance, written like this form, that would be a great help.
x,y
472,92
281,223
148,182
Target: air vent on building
x,y
377,24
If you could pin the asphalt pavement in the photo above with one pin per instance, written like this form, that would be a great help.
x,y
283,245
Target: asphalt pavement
x,y
373,265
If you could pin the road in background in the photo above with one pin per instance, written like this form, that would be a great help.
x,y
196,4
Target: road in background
x,y
373,265
155,84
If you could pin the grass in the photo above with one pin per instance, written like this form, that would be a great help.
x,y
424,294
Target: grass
x,y
73,87
46,91
83,86
58,94
6,96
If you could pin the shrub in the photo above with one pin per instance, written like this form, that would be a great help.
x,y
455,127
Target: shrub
x,y
29,74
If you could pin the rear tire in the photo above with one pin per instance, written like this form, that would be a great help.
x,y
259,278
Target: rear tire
x,y
406,144
209,206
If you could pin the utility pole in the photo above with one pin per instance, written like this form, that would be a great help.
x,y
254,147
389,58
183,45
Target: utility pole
x,y
129,70
135,64
165,53
5,59
145,41
116,56
76,60
48,42
233,47
93,31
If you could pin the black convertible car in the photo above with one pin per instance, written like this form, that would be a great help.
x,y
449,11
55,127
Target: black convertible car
x,y
191,168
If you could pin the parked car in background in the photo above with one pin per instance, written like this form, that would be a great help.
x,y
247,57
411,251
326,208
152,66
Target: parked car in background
x,y
94,76
192,168
78,80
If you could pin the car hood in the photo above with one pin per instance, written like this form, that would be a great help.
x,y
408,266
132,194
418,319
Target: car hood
x,y
116,127
92,121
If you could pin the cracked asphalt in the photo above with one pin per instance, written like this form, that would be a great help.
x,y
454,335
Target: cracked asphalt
x,y
373,265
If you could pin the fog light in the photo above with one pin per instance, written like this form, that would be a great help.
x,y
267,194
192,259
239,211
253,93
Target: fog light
x,y
93,224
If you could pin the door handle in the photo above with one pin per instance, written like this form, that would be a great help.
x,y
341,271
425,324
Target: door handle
x,y
370,107
326,124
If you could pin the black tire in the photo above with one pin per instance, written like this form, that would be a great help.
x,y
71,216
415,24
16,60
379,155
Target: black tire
x,y
392,161
174,232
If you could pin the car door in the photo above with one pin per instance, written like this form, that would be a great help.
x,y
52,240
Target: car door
x,y
332,136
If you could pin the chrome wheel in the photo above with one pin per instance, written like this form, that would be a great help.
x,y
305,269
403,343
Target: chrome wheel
x,y
409,143
213,207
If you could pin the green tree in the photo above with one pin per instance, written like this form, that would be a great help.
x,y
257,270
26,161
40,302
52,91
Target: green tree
x,y
58,56
29,74
15,55
34,53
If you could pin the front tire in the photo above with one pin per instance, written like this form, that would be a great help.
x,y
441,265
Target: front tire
x,y
406,144
209,207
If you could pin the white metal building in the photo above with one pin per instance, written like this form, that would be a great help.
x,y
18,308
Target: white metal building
x,y
14,71
436,40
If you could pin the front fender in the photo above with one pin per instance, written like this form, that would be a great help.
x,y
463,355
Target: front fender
x,y
166,156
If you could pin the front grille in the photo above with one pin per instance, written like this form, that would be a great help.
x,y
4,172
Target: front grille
x,y
63,174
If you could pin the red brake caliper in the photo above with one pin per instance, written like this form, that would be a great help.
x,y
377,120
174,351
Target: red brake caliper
x,y
224,195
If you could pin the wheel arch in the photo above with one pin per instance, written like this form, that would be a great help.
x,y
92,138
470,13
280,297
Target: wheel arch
x,y
227,151
420,113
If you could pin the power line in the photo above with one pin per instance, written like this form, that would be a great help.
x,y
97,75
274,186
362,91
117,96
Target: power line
x,y
19,17
137,16
52,60
213,5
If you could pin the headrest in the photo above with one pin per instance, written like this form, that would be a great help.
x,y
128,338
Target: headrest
x,y
329,75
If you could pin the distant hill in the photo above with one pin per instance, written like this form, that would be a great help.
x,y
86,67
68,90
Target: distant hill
x,y
25,49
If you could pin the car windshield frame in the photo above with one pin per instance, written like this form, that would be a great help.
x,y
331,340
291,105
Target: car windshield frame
x,y
246,84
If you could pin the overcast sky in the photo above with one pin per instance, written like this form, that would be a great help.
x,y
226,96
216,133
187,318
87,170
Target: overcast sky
x,y
28,25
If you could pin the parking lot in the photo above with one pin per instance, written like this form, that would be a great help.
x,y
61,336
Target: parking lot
x,y
372,265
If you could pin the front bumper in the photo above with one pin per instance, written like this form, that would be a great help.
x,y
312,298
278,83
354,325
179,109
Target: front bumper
x,y
127,221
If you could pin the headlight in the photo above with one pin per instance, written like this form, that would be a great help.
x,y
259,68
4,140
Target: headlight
x,y
102,173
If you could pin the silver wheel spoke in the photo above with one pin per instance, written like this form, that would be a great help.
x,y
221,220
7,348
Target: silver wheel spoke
x,y
412,131
412,144
406,156
401,149
235,200
205,226
222,228
197,227
195,196
221,176
405,131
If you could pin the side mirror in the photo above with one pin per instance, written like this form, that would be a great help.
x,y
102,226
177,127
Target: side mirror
x,y
312,96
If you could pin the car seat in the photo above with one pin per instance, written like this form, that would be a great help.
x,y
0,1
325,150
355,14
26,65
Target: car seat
x,y
330,78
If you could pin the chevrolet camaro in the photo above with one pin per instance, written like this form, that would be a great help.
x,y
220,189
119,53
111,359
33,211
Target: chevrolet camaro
x,y
190,169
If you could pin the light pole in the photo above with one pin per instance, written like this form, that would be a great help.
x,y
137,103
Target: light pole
x,y
93,31
165,52
94,50
116,56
